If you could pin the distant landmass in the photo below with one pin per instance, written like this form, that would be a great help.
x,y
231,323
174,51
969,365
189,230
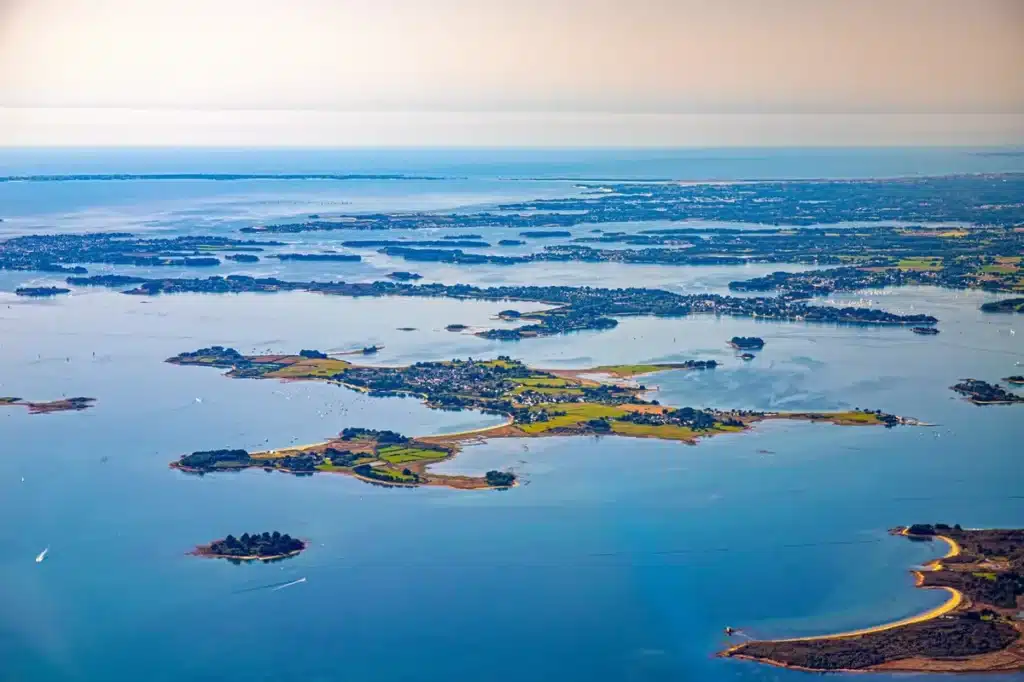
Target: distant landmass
x,y
80,177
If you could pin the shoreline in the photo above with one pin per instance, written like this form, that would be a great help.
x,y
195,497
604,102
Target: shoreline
x,y
955,600
204,551
907,657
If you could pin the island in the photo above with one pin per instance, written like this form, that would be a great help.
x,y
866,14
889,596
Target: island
x,y
510,242
402,276
1007,305
975,630
545,234
983,200
256,547
63,405
597,401
65,253
457,327
747,342
574,308
983,393
243,257
444,242
794,219
316,257
1016,380
925,331
41,292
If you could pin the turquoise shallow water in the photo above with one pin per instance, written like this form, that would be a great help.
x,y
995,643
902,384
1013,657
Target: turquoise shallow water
x,y
617,560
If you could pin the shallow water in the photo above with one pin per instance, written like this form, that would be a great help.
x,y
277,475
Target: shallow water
x,y
616,560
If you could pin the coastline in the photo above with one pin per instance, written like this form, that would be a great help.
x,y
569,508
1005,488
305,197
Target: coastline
x,y
955,600
908,651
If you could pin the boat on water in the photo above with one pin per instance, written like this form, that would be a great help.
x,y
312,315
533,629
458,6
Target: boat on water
x,y
42,555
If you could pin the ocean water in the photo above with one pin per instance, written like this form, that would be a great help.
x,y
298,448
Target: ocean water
x,y
617,560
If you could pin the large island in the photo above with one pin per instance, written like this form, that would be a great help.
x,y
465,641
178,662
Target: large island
x,y
574,308
534,402
976,630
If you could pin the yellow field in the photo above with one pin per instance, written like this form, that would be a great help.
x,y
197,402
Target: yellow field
x,y
545,390
665,431
626,371
310,368
544,382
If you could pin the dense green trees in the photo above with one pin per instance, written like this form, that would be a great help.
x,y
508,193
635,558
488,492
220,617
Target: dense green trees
x,y
500,479
256,545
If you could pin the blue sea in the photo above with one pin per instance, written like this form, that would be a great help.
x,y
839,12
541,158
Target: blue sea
x,y
617,559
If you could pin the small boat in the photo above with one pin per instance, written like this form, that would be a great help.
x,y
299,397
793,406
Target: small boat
x,y
729,631
42,555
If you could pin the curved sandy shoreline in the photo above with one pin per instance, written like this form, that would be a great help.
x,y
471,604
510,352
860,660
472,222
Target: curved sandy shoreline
x,y
955,600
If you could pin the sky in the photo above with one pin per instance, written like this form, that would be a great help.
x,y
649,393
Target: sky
x,y
511,72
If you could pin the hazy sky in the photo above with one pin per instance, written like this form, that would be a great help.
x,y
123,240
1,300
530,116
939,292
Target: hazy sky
x,y
511,71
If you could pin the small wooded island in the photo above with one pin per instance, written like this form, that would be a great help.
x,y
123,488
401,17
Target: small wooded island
x,y
41,292
255,547
747,342
975,630
983,393
1016,379
62,405
925,331
534,403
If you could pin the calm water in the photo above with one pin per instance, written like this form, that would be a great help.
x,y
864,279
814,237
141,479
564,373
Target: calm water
x,y
619,560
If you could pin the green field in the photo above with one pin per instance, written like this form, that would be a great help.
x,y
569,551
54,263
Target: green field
x,y
630,370
575,413
396,476
400,454
920,263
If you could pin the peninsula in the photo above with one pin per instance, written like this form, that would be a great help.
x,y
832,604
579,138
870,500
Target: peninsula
x,y
975,630
534,403
62,405
983,393
256,547
1007,305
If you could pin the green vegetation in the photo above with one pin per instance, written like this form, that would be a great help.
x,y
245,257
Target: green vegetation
x,y
537,403
922,263
551,416
264,547
398,454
